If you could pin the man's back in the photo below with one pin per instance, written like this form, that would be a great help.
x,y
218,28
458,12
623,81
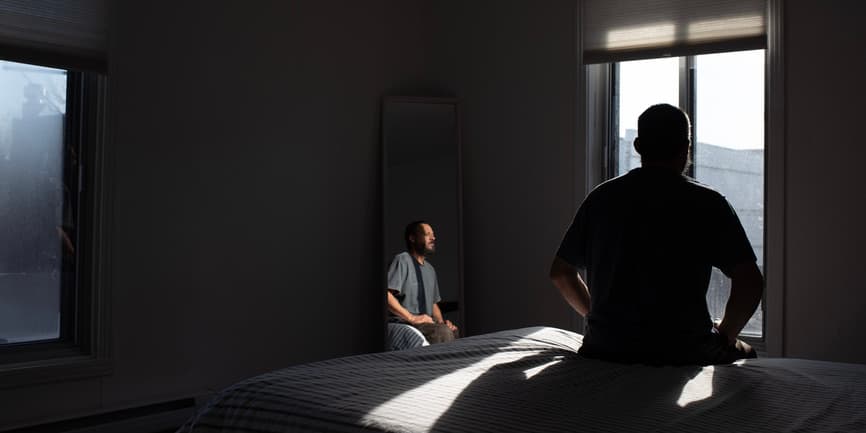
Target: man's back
x,y
648,241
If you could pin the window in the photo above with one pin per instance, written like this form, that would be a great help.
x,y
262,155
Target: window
x,y
38,201
723,94
53,260
49,213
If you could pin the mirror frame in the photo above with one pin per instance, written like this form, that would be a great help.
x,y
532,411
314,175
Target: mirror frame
x,y
461,314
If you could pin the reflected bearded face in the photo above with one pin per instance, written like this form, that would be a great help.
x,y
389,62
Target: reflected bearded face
x,y
425,240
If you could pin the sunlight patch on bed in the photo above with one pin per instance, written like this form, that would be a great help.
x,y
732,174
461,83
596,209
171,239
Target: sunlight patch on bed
x,y
538,369
437,395
698,388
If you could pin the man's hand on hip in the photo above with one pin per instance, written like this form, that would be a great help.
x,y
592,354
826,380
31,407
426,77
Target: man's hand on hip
x,y
450,325
420,319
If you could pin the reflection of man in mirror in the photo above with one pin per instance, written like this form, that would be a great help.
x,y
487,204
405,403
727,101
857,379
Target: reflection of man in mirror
x,y
413,289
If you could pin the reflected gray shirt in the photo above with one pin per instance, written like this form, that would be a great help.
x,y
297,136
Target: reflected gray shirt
x,y
402,279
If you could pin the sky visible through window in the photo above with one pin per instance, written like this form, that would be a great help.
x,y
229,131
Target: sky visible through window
x,y
728,133
740,106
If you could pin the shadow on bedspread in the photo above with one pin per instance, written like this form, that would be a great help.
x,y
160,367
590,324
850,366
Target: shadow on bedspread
x,y
555,397
549,393
532,380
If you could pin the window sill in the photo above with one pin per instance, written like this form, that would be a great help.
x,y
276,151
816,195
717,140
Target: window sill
x,y
53,370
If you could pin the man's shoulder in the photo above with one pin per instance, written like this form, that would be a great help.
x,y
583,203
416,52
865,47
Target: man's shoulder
x,y
403,257
625,181
703,190
611,188
638,182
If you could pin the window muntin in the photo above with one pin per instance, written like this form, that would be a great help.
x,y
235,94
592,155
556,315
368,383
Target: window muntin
x,y
724,95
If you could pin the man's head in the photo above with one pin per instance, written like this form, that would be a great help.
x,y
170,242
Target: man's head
x,y
420,238
663,136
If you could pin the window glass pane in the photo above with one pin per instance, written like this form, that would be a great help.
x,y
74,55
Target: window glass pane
x,y
35,228
642,83
728,137
729,150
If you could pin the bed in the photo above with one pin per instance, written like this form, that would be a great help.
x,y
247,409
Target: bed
x,y
532,380
401,336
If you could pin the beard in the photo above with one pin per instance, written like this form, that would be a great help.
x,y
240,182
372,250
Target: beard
x,y
421,248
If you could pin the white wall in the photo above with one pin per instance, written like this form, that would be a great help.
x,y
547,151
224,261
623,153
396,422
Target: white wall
x,y
513,64
825,302
247,195
247,184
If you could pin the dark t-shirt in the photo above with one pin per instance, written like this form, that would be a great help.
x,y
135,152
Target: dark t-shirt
x,y
648,241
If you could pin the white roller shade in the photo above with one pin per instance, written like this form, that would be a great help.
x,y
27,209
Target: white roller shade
x,y
615,30
65,29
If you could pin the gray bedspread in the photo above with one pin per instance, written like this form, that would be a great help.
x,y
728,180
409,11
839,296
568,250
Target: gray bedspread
x,y
532,380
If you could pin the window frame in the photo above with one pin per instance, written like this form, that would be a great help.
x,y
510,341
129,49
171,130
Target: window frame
x,y
82,349
593,127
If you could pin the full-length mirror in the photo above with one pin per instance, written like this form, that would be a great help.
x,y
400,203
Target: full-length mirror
x,y
422,182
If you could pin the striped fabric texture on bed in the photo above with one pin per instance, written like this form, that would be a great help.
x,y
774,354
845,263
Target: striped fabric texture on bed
x,y
532,380
401,336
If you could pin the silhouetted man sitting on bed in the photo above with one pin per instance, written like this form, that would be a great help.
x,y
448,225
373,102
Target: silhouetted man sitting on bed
x,y
648,241
413,289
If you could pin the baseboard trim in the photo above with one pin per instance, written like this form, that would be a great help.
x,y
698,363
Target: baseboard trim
x,y
153,418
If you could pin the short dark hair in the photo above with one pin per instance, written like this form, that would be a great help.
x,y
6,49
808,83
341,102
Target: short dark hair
x,y
412,229
664,131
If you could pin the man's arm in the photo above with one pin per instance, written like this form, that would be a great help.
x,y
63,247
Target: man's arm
x,y
438,318
437,314
570,285
395,307
747,288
